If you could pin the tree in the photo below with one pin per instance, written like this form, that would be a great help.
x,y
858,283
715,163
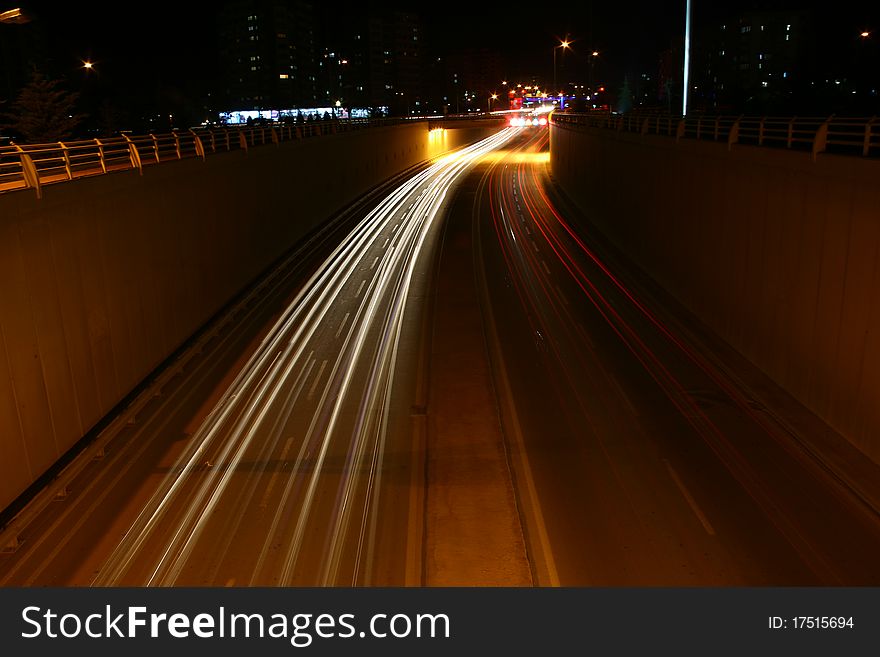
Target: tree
x,y
42,112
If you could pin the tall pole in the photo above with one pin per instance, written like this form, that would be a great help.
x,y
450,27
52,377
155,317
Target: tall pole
x,y
562,45
554,68
687,57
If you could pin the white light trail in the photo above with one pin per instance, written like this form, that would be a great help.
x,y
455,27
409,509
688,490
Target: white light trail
x,y
342,349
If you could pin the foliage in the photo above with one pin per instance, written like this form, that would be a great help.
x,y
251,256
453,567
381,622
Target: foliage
x,y
42,112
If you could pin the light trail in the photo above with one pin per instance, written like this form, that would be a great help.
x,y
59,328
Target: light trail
x,y
600,372
323,376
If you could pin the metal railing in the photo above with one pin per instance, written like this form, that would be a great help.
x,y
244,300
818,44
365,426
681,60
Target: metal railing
x,y
832,134
24,166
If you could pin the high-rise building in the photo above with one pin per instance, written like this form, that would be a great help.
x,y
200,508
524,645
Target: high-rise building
x,y
396,62
752,59
267,51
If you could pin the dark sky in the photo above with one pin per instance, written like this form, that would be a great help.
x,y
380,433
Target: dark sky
x,y
170,44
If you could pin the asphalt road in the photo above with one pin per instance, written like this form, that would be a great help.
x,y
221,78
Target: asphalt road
x,y
285,454
642,451
287,450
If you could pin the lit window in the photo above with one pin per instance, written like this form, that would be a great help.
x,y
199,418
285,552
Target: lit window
x,y
283,76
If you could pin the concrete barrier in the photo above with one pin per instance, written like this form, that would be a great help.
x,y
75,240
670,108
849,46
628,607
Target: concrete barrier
x,y
105,277
777,254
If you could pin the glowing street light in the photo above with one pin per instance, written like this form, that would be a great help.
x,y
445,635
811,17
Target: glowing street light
x,y
564,44
88,65
865,35
15,15
593,56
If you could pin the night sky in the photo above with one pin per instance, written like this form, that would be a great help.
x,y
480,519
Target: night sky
x,y
169,46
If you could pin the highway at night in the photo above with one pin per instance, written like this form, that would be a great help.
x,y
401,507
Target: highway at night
x,y
303,471
291,449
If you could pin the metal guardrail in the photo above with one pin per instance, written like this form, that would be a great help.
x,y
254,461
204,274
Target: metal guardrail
x,y
30,166
832,134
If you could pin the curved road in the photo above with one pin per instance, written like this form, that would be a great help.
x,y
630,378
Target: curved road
x,y
642,455
302,470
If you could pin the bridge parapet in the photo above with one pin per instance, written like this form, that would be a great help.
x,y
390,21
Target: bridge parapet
x,y
30,166
858,136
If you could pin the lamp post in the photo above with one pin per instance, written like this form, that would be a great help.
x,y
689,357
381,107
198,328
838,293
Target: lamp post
x,y
564,45
491,98
687,57
593,56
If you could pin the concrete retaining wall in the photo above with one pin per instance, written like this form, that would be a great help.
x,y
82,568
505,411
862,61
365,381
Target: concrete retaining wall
x,y
105,277
774,252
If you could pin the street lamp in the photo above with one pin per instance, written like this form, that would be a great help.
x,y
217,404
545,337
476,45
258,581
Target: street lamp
x,y
88,65
687,57
593,56
564,45
491,98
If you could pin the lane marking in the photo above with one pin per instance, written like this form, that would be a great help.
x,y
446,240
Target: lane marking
x,y
374,262
546,268
690,500
317,379
342,324
360,288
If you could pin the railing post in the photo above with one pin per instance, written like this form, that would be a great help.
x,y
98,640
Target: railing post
x,y
820,140
155,147
274,135
869,131
133,156
200,147
101,155
699,126
733,135
679,129
717,128
645,125
790,132
176,143
242,141
761,131
29,172
64,151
